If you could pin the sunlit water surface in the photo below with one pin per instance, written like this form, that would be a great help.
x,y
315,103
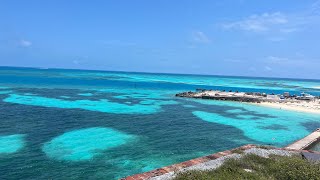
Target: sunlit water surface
x,y
62,124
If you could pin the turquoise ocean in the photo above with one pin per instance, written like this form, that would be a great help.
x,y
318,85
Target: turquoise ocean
x,y
77,124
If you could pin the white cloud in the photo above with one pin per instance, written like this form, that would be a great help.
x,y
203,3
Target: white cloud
x,y
259,23
253,69
315,7
200,37
267,68
234,60
289,30
276,60
25,43
75,62
80,60
191,46
292,61
277,24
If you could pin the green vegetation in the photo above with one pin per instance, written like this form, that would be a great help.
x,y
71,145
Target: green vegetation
x,y
237,151
256,167
265,147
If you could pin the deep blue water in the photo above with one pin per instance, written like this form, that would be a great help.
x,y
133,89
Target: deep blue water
x,y
71,124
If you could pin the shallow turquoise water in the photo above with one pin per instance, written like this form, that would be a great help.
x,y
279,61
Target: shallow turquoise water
x,y
81,145
72,124
11,143
103,105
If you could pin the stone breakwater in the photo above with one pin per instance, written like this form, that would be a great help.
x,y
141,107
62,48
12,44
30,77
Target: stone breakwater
x,y
253,97
226,96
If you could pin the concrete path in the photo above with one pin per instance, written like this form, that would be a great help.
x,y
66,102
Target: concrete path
x,y
306,142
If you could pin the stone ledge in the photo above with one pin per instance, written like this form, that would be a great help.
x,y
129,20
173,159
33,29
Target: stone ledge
x,y
192,162
176,167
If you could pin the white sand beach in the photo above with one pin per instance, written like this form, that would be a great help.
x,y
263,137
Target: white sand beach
x,y
308,107
274,101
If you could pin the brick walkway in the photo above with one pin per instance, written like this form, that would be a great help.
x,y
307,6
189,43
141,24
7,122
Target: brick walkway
x,y
298,146
192,162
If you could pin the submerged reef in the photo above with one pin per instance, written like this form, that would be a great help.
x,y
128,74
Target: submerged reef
x,y
84,144
11,143
103,105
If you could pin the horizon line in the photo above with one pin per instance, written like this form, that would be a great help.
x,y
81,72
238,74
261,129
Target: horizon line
x,y
168,73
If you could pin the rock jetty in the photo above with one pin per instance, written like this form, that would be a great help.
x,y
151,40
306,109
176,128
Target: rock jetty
x,y
253,97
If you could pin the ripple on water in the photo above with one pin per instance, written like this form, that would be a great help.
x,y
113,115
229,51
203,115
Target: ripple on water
x,y
5,92
84,144
85,94
11,143
189,106
65,97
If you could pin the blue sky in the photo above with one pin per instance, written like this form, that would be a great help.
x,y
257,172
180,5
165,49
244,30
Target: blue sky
x,y
274,38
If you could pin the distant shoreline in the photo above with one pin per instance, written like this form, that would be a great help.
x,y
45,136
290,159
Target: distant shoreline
x,y
165,73
305,103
